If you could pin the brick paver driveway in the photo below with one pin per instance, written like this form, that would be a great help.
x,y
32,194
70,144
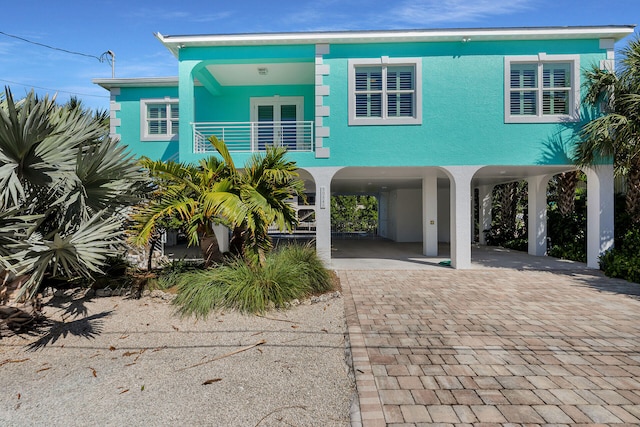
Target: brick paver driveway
x,y
494,347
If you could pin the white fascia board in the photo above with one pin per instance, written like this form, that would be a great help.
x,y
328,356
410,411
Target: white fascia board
x,y
137,82
174,43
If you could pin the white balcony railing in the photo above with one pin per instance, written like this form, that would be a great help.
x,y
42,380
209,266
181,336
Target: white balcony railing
x,y
254,136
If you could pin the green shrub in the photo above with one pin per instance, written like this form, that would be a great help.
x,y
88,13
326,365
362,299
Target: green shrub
x,y
171,273
624,260
575,251
290,273
567,233
311,269
518,244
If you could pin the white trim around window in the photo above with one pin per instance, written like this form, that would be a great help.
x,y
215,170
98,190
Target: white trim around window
x,y
385,91
541,88
159,119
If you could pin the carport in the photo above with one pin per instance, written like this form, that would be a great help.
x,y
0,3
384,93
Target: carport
x,y
430,210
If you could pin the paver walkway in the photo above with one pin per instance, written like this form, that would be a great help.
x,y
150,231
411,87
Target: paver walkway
x,y
492,347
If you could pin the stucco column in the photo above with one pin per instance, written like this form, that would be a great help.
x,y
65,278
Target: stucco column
x,y
460,178
600,200
186,104
485,197
537,207
430,215
322,178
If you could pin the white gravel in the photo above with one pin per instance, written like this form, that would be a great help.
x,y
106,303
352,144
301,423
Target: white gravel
x,y
116,361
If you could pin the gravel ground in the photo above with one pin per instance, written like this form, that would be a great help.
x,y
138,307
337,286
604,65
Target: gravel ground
x,y
120,361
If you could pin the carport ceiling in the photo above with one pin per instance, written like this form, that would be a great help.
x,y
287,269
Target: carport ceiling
x,y
373,180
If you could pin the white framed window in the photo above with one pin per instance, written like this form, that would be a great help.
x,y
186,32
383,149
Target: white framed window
x,y
541,88
385,91
159,119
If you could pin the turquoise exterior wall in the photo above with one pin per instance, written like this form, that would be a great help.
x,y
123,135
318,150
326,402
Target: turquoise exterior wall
x,y
462,105
129,115
234,103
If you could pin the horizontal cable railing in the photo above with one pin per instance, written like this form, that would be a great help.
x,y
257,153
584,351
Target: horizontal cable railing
x,y
254,136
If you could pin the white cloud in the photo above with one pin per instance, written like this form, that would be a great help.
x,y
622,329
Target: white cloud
x,y
422,12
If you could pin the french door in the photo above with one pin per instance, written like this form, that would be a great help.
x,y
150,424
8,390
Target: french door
x,y
276,121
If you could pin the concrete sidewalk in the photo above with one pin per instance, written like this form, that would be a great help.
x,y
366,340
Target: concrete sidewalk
x,y
493,346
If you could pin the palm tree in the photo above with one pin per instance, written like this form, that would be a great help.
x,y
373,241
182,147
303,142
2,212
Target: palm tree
x,y
263,192
248,201
63,187
566,185
616,133
191,193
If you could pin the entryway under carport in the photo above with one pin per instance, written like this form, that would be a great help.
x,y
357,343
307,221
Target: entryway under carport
x,y
384,254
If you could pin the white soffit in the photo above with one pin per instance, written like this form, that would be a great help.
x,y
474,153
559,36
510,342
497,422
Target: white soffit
x,y
301,73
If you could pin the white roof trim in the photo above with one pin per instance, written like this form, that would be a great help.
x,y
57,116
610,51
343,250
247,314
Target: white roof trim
x,y
137,82
616,32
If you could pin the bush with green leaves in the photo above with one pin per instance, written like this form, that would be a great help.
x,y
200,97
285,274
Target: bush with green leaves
x,y
623,261
350,214
567,233
64,189
288,273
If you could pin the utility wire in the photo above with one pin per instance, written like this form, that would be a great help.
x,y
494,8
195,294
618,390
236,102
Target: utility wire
x,y
100,58
53,90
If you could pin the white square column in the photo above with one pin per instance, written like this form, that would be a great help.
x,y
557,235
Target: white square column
x,y
322,178
460,178
430,216
537,206
600,201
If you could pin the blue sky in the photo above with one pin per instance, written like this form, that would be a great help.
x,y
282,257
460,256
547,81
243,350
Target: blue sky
x,y
126,27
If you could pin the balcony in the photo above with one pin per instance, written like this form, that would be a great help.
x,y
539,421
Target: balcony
x,y
254,136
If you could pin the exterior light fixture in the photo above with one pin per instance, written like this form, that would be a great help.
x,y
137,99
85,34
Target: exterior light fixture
x,y
466,39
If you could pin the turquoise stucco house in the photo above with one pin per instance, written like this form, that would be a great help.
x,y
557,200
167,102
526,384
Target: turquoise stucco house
x,y
419,118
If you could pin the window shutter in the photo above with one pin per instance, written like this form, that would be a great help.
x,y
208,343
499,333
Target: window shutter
x,y
558,77
400,87
175,116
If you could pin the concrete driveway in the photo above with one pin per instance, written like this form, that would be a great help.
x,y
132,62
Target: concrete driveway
x,y
493,346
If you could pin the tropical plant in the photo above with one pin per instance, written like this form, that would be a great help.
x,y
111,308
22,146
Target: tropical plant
x,y
64,185
509,216
354,214
189,192
616,133
291,272
263,193
623,261
248,200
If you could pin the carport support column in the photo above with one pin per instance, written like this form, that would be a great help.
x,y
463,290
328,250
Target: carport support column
x,y
322,178
430,216
600,200
485,197
460,178
537,207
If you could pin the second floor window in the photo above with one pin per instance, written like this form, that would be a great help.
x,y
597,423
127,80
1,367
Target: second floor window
x,y
545,90
161,119
384,94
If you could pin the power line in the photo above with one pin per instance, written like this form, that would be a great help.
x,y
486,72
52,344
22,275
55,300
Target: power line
x,y
99,58
53,90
